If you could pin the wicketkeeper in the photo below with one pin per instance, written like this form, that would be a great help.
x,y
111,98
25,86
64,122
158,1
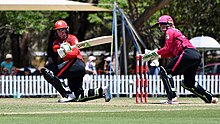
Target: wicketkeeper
x,y
72,69
186,60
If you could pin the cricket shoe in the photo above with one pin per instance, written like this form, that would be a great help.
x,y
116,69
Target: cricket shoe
x,y
107,93
173,101
214,100
69,98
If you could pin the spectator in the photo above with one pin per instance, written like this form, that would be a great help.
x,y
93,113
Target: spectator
x,y
14,71
27,71
7,63
91,65
101,64
108,68
154,67
5,71
154,70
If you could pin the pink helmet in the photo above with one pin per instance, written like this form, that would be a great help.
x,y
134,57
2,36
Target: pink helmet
x,y
165,19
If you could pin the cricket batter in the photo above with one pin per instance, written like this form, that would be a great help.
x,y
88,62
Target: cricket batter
x,y
72,69
186,60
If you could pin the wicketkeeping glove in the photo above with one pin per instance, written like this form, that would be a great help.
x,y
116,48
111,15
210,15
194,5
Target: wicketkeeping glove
x,y
64,48
150,55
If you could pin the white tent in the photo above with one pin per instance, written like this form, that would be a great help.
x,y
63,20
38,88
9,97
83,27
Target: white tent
x,y
47,5
205,43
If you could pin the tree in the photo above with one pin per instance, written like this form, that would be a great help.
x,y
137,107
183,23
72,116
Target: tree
x,y
193,18
23,31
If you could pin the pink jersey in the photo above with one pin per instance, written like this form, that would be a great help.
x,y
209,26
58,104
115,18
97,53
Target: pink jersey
x,y
175,43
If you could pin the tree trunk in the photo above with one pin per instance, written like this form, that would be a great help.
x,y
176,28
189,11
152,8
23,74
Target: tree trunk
x,y
78,24
83,23
25,54
149,12
2,48
19,46
15,49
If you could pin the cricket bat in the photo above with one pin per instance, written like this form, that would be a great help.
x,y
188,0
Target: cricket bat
x,y
65,47
94,42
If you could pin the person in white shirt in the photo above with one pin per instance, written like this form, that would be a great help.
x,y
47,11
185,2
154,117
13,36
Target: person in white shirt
x,y
91,65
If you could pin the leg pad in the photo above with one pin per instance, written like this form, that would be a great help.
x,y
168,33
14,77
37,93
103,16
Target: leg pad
x,y
168,83
199,91
55,82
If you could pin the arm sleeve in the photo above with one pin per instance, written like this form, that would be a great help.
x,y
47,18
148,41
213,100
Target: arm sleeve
x,y
56,47
71,55
72,40
167,55
165,51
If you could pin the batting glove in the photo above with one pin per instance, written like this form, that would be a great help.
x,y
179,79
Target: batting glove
x,y
64,48
151,55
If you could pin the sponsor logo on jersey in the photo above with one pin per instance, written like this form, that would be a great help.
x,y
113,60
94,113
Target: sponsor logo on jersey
x,y
167,36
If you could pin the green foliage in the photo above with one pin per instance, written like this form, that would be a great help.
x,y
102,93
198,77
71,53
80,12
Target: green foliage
x,y
94,18
196,18
26,21
109,4
101,18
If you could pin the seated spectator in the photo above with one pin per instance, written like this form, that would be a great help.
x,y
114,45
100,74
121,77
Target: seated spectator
x,y
27,71
14,71
5,72
7,63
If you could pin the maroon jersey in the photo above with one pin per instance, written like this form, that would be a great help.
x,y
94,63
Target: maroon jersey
x,y
72,40
175,43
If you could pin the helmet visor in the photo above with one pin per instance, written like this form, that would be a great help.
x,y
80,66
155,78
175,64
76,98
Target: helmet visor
x,y
163,27
62,33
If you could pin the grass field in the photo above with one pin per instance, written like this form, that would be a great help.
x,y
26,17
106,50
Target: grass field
x,y
117,111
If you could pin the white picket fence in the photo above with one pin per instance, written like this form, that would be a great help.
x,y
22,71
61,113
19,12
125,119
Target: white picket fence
x,y
119,85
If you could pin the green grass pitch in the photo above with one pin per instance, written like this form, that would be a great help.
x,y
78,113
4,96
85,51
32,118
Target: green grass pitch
x,y
117,111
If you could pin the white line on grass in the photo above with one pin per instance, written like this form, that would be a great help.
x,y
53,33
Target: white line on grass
x,y
106,111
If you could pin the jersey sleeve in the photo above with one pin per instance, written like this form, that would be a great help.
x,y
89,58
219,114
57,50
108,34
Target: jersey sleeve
x,y
72,55
165,51
168,55
56,45
72,40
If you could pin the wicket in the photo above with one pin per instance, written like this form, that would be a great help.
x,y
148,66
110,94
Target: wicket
x,y
141,80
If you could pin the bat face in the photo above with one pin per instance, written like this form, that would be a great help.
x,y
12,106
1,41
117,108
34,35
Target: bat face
x,y
94,42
